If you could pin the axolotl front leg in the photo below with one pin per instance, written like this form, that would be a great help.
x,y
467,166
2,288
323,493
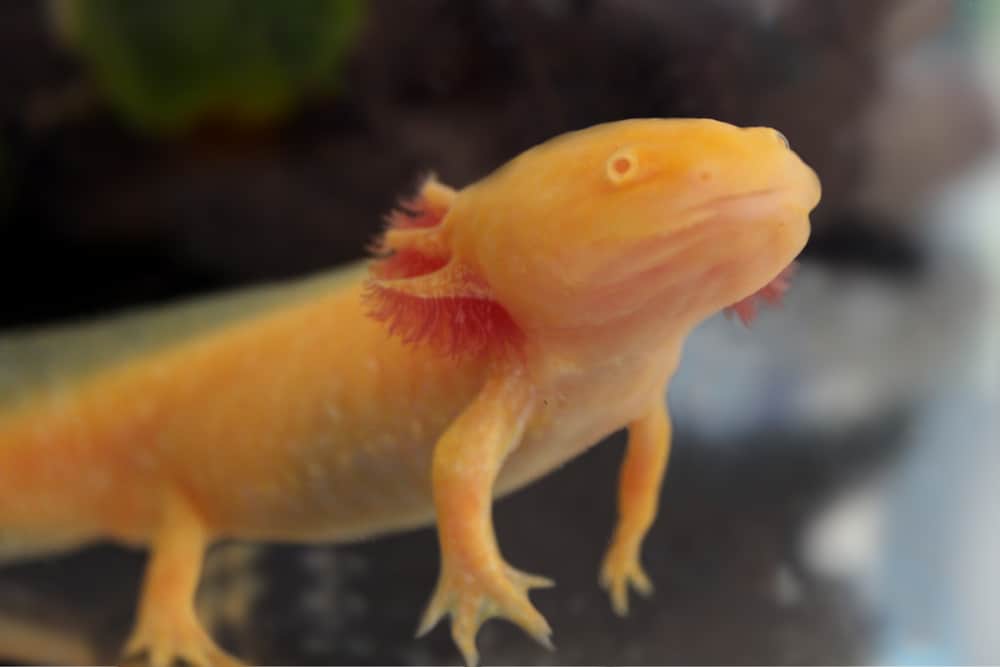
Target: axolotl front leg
x,y
638,498
475,583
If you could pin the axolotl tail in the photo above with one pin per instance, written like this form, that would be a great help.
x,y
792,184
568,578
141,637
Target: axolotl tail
x,y
23,539
42,509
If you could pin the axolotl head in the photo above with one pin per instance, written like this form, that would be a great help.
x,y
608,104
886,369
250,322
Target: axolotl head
x,y
622,233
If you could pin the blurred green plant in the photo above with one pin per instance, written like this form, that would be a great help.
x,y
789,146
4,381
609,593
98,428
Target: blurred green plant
x,y
167,65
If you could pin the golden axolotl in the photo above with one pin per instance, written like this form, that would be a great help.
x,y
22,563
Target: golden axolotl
x,y
501,330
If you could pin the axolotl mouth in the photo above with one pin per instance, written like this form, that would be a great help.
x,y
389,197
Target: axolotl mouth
x,y
675,262
770,294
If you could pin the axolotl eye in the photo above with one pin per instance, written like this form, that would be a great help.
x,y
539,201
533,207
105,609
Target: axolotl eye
x,y
622,166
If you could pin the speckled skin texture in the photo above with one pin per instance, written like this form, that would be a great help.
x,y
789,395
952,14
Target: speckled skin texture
x,y
311,422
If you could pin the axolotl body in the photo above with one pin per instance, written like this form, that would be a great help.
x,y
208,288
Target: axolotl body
x,y
501,330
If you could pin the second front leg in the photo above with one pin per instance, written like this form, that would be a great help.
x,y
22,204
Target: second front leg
x,y
475,583
638,498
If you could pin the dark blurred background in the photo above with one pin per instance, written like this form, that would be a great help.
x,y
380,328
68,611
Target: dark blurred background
x,y
833,494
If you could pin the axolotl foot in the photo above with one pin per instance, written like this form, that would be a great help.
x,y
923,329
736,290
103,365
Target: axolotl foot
x,y
168,642
620,571
471,598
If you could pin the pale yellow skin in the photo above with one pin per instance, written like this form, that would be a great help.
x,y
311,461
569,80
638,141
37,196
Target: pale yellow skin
x,y
306,421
